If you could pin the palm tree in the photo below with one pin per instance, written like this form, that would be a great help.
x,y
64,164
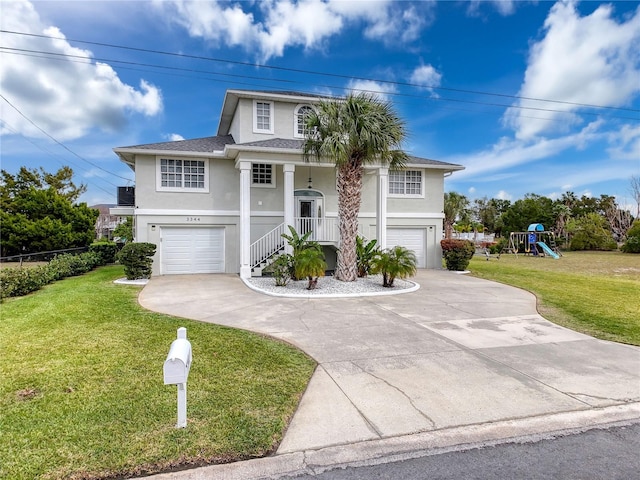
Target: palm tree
x,y
454,206
310,263
353,132
396,262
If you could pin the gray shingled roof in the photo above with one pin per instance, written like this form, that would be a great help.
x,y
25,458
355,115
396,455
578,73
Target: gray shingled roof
x,y
426,161
206,144
275,143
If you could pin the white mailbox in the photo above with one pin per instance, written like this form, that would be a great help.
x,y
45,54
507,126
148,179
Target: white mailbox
x,y
178,362
176,370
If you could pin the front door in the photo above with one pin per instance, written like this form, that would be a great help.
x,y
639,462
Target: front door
x,y
309,216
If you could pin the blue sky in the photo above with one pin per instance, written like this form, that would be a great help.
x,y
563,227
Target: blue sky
x,y
531,97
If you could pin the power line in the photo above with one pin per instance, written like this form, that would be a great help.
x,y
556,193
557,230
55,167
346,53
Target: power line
x,y
312,72
85,60
58,158
60,143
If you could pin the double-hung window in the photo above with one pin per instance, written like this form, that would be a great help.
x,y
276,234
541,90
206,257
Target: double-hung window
x,y
406,183
262,116
179,175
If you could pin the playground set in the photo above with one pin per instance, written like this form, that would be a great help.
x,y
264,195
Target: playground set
x,y
535,241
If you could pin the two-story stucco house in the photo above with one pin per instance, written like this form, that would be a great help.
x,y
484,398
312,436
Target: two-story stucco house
x,y
221,203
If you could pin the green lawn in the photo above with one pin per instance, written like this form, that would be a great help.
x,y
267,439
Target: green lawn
x,y
82,394
597,293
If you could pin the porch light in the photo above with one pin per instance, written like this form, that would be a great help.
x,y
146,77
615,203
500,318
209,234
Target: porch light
x,y
310,183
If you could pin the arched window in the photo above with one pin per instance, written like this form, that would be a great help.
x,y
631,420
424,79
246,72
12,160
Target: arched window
x,y
300,120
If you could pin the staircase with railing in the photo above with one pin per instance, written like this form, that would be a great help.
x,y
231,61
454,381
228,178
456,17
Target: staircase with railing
x,y
266,248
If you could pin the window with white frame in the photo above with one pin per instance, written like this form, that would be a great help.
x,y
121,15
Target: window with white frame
x,y
262,175
302,113
182,175
262,116
406,183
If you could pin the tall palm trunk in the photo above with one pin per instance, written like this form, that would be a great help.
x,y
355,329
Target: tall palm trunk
x,y
349,185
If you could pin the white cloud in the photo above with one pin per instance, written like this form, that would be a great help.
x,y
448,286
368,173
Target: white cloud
x,y
175,137
65,98
426,76
507,153
504,7
295,23
472,190
582,60
625,144
381,90
503,195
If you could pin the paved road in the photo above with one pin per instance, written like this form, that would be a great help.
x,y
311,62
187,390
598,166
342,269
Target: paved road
x,y
609,454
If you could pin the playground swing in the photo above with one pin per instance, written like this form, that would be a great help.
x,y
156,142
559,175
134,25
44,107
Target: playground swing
x,y
535,241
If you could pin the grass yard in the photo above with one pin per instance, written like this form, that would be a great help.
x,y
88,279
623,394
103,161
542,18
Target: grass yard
x,y
597,293
82,393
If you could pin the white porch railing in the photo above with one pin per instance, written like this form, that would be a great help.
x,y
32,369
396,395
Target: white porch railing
x,y
323,229
268,245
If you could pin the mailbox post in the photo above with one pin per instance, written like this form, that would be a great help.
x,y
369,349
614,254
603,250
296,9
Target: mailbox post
x,y
176,370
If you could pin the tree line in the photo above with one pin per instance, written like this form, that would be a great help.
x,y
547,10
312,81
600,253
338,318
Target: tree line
x,y
582,223
40,212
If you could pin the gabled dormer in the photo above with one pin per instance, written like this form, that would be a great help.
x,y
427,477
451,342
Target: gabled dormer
x,y
251,116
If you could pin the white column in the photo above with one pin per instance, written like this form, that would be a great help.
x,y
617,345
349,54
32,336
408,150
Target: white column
x,y
289,200
245,219
381,207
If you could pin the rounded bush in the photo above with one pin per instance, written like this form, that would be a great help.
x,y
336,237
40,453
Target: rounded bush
x,y
457,253
137,259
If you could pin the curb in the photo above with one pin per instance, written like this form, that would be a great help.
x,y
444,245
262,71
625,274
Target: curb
x,y
388,450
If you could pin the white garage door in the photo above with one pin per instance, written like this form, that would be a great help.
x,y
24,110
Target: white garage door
x,y
192,250
411,238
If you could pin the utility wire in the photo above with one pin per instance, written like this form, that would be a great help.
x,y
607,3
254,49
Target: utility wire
x,y
85,60
62,161
60,143
312,72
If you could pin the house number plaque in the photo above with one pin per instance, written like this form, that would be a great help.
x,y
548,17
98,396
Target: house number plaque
x,y
193,219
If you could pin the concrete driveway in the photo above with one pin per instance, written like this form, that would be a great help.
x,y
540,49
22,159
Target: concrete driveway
x,y
458,352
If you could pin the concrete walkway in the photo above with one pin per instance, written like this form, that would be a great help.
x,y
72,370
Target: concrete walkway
x,y
458,353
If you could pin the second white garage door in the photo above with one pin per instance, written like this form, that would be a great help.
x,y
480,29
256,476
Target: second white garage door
x,y
411,238
192,250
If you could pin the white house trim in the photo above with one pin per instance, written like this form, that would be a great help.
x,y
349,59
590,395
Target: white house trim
x,y
381,214
245,219
289,200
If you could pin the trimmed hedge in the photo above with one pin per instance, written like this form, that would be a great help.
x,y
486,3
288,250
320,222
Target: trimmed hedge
x,y
137,259
106,250
16,282
457,253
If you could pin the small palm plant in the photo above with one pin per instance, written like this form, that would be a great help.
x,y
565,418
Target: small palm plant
x,y
366,254
396,262
310,263
298,244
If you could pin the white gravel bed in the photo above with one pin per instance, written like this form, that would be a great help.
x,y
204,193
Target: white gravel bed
x,y
330,287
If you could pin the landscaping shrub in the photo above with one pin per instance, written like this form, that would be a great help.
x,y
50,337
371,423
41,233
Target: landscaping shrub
x,y
396,262
137,259
16,282
457,253
366,255
632,245
281,269
106,251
